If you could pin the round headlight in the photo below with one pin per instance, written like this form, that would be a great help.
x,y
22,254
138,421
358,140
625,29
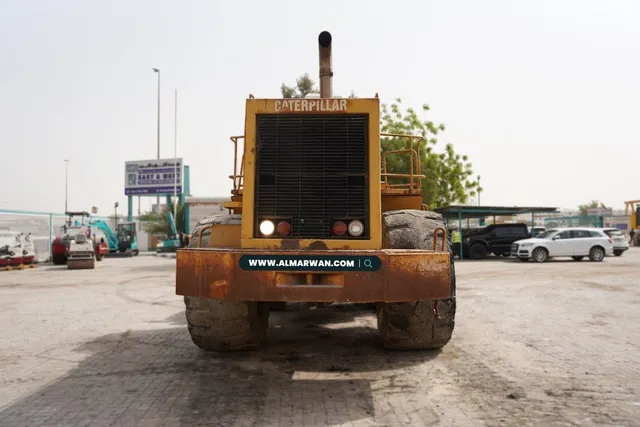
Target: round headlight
x,y
267,228
356,228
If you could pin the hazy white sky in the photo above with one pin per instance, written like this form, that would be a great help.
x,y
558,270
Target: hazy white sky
x,y
542,95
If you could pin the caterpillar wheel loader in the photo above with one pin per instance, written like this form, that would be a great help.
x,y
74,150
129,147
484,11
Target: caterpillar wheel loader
x,y
314,216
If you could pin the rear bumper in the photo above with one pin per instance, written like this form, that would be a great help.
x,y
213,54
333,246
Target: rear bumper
x,y
399,275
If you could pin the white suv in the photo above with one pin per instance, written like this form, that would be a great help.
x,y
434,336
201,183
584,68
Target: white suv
x,y
620,243
576,243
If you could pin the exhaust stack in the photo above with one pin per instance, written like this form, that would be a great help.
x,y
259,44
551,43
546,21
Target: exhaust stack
x,y
326,73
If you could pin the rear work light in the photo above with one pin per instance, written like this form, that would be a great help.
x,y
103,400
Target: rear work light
x,y
267,228
339,228
356,228
283,228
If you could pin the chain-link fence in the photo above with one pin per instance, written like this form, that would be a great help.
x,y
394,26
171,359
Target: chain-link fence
x,y
43,227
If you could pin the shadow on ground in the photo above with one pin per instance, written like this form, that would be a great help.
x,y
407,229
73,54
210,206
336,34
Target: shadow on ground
x,y
154,268
310,372
489,258
51,267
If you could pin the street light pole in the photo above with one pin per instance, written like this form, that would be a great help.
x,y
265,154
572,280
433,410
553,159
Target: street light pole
x,y
479,190
157,70
115,216
175,159
66,184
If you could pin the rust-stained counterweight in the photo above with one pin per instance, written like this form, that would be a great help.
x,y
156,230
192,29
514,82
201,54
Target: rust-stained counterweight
x,y
403,275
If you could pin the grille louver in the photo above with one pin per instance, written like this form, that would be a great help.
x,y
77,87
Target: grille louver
x,y
312,170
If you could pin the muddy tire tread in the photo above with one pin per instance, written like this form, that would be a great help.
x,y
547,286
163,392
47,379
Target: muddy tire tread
x,y
222,325
414,325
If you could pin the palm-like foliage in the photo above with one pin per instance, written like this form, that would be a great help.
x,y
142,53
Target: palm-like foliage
x,y
155,223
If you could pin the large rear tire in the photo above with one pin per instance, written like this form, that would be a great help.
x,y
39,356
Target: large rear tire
x,y
221,325
59,259
416,325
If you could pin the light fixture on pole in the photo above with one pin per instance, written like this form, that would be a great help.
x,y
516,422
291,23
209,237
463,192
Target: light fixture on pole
x,y
115,216
157,70
66,184
175,159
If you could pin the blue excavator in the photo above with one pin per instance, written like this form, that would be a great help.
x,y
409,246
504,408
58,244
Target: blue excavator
x,y
172,243
111,238
124,240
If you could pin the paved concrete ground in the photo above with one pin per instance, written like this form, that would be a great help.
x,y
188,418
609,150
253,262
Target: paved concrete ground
x,y
535,344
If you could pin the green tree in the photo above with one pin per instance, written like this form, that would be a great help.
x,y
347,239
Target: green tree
x,y
448,175
158,223
304,86
584,208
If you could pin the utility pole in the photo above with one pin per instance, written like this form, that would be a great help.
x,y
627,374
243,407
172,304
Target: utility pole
x,y
115,216
175,159
66,184
157,70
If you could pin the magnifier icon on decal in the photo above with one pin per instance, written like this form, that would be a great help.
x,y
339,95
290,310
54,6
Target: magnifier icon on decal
x,y
367,263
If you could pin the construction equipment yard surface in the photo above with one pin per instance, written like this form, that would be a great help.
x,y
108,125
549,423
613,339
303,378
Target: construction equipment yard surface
x,y
536,344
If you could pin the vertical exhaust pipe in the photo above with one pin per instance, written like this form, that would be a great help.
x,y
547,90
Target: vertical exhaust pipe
x,y
326,73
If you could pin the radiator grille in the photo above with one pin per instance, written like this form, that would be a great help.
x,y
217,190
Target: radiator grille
x,y
312,170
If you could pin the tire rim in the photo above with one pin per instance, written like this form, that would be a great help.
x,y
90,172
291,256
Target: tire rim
x,y
540,255
598,254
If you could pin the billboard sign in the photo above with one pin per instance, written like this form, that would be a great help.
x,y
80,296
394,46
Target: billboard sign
x,y
152,177
600,211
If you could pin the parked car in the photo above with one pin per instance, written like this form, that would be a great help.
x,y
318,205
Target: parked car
x,y
534,231
494,238
620,243
576,243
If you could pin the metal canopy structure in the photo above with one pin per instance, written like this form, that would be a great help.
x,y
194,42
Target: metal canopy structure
x,y
465,212
461,212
